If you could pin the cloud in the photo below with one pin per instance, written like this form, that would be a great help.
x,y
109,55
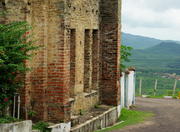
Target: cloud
x,y
161,5
152,15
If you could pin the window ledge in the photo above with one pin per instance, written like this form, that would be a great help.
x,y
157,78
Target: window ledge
x,y
93,92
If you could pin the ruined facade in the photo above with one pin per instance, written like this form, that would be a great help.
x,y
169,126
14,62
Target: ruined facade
x,y
77,66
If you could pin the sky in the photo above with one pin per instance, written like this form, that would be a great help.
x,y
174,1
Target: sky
x,y
153,18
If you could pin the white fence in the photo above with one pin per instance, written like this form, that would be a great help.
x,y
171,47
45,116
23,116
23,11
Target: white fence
x,y
128,89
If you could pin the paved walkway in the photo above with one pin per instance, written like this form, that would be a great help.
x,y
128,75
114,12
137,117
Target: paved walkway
x,y
167,116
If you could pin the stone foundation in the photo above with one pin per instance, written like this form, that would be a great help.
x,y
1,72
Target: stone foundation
x,y
84,102
24,126
106,119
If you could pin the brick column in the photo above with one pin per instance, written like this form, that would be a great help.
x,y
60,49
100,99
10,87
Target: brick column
x,y
72,43
95,60
36,79
58,90
110,42
87,60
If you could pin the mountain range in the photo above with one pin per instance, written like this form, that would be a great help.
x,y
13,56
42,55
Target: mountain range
x,y
141,42
154,55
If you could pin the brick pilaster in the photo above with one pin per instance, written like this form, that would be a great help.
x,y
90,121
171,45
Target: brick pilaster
x,y
110,42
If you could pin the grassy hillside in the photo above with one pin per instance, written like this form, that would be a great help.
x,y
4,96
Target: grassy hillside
x,y
139,42
164,57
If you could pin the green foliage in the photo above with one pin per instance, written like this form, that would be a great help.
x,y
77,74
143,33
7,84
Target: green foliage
x,y
125,54
96,106
15,45
8,119
129,117
164,57
42,126
81,112
32,114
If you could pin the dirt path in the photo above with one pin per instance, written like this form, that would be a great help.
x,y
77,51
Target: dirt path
x,y
167,116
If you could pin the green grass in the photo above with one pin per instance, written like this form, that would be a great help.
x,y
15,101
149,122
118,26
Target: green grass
x,y
130,117
156,96
8,119
164,86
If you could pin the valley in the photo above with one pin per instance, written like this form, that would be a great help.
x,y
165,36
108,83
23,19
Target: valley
x,y
155,62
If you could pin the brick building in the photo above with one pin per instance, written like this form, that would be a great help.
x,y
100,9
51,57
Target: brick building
x,y
78,65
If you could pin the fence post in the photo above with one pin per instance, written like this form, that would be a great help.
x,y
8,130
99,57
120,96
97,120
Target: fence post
x,y
174,88
14,106
140,86
155,87
19,101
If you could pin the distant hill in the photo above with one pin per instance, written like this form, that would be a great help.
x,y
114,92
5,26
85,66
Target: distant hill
x,y
162,57
163,50
139,42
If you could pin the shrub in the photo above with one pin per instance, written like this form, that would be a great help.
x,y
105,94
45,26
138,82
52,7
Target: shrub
x,y
125,54
42,126
8,119
15,45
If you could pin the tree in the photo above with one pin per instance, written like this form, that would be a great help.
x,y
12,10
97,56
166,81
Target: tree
x,y
125,54
15,45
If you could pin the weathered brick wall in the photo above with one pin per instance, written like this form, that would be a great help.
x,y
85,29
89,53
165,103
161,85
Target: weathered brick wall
x,y
38,75
47,85
110,42
83,17
58,64
88,60
49,79
72,61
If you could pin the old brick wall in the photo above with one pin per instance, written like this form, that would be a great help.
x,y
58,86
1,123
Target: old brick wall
x,y
110,28
47,85
82,17
51,75
79,55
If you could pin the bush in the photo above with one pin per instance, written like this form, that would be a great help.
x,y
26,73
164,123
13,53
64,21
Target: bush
x,y
15,45
42,126
8,119
125,54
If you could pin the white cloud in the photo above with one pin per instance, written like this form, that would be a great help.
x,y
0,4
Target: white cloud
x,y
147,17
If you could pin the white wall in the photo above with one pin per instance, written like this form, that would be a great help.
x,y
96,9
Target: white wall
x,y
128,89
62,127
122,80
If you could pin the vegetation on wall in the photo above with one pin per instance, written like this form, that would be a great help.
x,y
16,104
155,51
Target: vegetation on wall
x,y
125,54
15,44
